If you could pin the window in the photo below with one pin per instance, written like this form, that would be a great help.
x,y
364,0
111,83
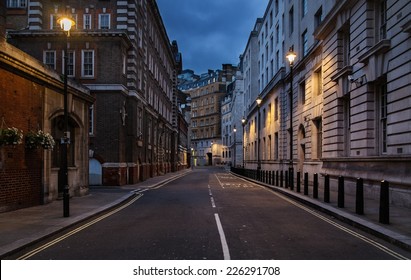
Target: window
x,y
70,64
304,40
318,17
104,21
304,7
50,59
318,82
347,124
87,63
149,124
276,109
276,148
381,95
272,67
302,92
271,18
344,45
16,3
264,118
291,21
91,120
380,20
277,61
53,22
124,63
277,34
269,147
318,138
276,7
87,21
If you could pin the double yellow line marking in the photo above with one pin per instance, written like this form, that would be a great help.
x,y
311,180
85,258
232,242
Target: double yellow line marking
x,y
61,238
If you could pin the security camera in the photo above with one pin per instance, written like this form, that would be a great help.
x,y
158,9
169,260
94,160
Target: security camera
x,y
350,78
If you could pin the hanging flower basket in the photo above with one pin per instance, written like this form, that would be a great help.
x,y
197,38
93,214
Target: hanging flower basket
x,y
39,139
10,136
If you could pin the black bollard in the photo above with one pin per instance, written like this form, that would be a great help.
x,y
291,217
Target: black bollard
x,y
281,179
359,197
298,181
306,183
315,186
327,188
384,203
286,179
276,178
340,192
273,178
292,179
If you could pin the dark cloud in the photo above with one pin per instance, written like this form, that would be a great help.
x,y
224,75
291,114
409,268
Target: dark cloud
x,y
210,32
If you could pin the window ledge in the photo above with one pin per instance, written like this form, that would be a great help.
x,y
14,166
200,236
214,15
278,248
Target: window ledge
x,y
407,27
381,47
345,71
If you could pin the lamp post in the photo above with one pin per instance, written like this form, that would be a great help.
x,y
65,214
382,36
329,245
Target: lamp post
x,y
235,145
291,55
243,121
258,101
66,24
192,158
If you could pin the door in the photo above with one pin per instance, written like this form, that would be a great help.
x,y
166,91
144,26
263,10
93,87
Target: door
x,y
95,172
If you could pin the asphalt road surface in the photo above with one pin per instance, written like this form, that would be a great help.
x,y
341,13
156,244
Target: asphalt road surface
x,y
211,214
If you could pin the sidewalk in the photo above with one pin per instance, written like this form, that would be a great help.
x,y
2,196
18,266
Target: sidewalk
x,y
23,227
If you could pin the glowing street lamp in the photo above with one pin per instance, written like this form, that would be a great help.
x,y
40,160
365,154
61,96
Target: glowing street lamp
x,y
291,56
66,24
243,122
258,101
235,145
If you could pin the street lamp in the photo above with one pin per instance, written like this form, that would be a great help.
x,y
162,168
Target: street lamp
x,y
243,121
192,158
258,101
291,55
66,24
235,145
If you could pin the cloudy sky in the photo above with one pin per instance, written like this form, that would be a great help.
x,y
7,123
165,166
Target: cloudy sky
x,y
210,32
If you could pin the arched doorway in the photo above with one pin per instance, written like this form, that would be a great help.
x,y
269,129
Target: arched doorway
x,y
95,172
58,133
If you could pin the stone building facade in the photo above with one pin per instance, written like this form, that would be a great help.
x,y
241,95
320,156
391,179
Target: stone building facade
x,y
206,92
342,110
121,52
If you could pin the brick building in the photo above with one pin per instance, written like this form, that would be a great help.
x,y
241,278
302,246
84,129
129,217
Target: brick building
x,y
32,99
121,52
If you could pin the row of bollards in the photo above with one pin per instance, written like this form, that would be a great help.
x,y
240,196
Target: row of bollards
x,y
286,179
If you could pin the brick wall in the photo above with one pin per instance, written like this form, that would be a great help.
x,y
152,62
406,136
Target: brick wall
x,y
20,169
